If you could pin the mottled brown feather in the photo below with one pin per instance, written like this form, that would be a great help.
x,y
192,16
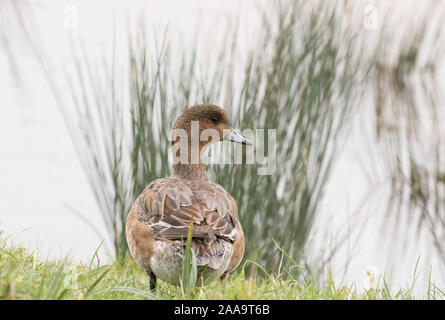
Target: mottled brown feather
x,y
140,239
168,204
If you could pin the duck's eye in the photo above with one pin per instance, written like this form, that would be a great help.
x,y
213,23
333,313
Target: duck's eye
x,y
215,119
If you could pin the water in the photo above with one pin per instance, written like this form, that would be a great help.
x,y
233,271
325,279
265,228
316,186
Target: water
x,y
41,176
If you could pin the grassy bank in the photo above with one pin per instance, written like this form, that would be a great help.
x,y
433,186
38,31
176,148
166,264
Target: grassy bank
x,y
24,276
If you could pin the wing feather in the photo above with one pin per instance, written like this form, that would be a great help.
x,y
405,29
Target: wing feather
x,y
168,204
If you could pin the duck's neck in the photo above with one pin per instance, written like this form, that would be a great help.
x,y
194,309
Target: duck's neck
x,y
191,168
190,171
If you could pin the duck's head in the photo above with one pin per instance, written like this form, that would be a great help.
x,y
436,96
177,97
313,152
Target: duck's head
x,y
205,117
196,128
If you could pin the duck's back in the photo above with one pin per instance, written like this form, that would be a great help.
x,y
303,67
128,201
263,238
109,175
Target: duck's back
x,y
163,213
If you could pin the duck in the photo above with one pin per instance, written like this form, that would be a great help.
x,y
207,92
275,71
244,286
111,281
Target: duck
x,y
159,220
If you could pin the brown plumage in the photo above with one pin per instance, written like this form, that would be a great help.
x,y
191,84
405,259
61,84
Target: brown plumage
x,y
158,222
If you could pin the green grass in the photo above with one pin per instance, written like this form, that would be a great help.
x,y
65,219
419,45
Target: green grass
x,y
24,276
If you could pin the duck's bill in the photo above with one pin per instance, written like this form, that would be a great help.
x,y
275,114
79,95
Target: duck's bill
x,y
236,137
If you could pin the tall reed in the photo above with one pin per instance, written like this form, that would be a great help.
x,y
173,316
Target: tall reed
x,y
409,126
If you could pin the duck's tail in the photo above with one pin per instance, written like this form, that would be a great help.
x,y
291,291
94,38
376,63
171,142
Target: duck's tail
x,y
214,254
